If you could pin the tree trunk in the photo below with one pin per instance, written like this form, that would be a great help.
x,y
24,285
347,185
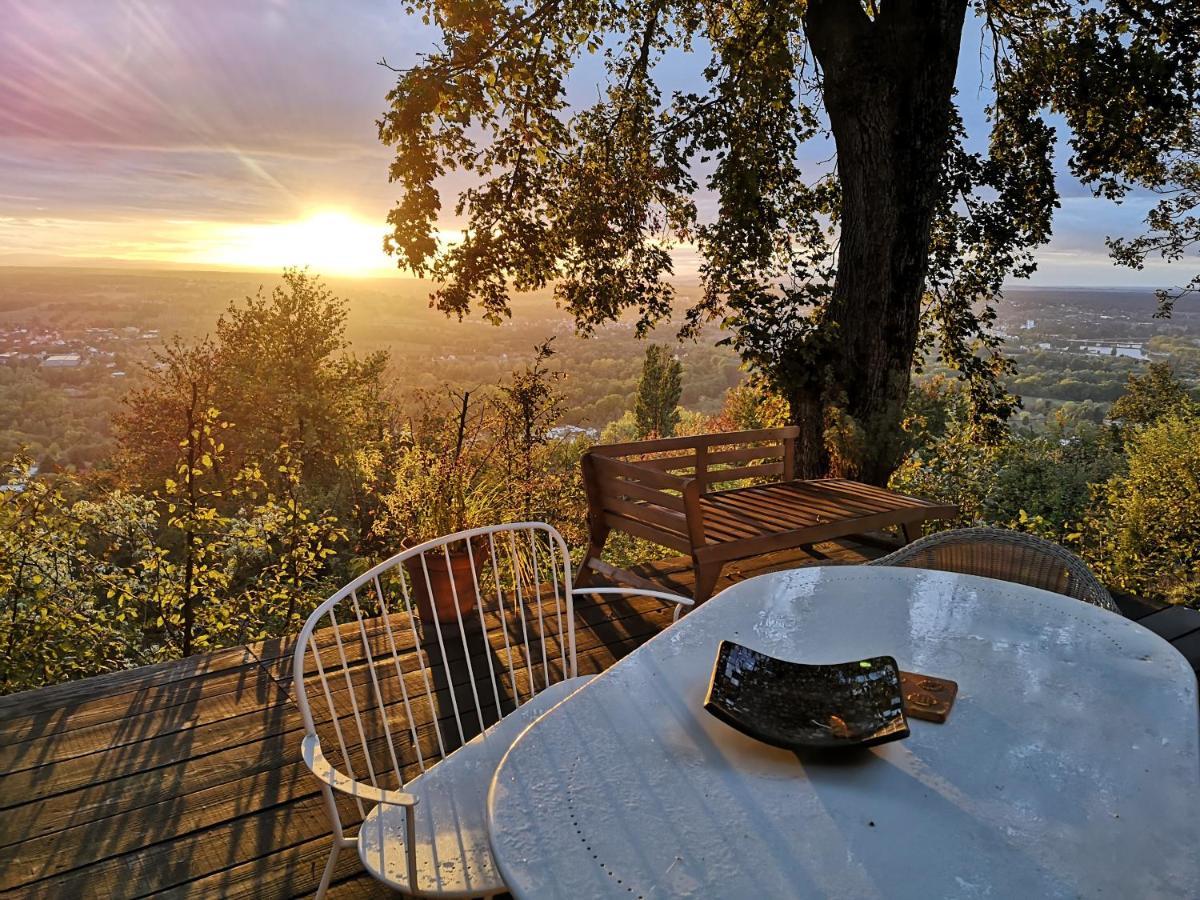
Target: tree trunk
x,y
888,85
806,409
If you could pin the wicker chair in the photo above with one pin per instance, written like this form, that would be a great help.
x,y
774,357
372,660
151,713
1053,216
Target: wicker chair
x,y
1007,556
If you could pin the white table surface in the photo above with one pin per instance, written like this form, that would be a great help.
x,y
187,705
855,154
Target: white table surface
x,y
1069,766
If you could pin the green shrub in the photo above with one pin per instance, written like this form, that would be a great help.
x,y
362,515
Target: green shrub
x,y
1144,533
1036,483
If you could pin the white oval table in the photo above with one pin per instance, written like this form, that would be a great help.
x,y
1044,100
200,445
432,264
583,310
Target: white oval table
x,y
1068,767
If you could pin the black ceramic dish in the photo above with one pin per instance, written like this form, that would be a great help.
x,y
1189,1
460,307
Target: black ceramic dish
x,y
797,706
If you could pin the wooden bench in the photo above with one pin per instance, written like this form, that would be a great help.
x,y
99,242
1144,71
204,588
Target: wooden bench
x,y
670,492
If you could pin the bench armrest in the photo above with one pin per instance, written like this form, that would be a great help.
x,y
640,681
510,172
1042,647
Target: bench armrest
x,y
610,467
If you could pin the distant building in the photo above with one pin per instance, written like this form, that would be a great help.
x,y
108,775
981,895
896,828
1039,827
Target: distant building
x,y
571,432
16,487
1133,351
61,361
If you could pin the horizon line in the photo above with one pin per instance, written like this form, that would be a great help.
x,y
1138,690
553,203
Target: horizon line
x,y
83,264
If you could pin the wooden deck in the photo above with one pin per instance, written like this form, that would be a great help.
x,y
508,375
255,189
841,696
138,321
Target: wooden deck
x,y
185,778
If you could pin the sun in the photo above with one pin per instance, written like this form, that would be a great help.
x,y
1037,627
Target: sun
x,y
331,242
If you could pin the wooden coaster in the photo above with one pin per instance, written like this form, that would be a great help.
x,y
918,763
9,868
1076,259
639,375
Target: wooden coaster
x,y
926,697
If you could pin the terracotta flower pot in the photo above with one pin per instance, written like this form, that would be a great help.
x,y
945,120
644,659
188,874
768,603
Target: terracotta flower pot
x,y
446,581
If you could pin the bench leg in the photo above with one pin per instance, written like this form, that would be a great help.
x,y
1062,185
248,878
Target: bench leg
x,y
706,580
596,547
912,531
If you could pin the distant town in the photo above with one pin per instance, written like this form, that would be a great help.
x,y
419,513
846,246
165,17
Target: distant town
x,y
74,342
53,348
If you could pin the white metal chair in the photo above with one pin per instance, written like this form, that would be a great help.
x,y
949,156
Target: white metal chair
x,y
409,714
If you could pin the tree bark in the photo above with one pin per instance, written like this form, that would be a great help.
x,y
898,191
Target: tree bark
x,y
888,84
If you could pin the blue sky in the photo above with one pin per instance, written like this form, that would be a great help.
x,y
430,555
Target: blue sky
x,y
179,131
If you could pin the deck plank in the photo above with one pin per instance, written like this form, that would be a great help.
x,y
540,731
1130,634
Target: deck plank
x,y
1172,623
189,709
1189,646
110,698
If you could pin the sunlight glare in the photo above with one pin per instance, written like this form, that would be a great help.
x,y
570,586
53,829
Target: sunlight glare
x,y
328,241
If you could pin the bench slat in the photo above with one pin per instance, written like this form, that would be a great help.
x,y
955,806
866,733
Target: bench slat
x,y
630,448
652,515
649,532
771,451
614,468
814,534
631,489
669,463
737,473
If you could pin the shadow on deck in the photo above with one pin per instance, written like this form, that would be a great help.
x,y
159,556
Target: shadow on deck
x,y
185,778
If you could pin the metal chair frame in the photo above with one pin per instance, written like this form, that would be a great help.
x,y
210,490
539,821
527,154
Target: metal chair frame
x,y
371,590
1005,555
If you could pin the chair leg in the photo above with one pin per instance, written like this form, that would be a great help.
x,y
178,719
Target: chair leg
x,y
706,580
329,867
339,840
595,548
912,531
583,576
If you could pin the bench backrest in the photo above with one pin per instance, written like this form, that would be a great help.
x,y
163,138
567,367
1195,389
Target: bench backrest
x,y
648,487
712,458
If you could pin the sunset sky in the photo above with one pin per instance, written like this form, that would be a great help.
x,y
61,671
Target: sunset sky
x,y
240,134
